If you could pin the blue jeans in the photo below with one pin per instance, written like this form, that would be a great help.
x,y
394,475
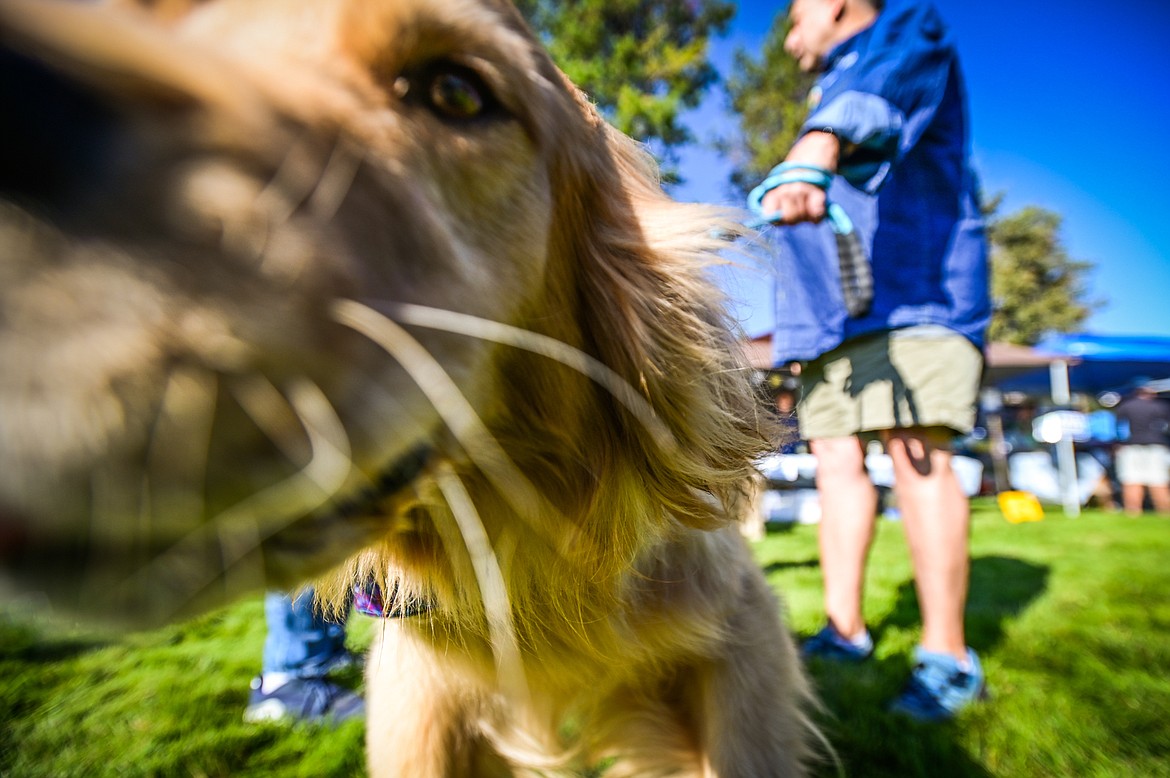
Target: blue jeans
x,y
300,640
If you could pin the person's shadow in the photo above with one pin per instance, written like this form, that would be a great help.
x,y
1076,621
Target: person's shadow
x,y
867,739
999,589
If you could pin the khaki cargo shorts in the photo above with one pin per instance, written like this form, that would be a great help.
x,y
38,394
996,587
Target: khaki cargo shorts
x,y
917,377
1146,465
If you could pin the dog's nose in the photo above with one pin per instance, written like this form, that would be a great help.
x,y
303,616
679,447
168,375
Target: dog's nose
x,y
55,136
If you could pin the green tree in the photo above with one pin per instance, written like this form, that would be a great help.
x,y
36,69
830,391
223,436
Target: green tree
x,y
769,95
1036,288
643,62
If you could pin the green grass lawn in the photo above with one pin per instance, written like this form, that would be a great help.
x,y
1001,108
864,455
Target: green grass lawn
x,y
1070,616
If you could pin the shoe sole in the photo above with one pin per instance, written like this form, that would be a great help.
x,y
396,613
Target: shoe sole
x,y
267,711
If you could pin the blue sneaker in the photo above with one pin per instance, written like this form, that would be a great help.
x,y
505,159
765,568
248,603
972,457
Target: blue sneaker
x,y
940,687
313,700
343,661
829,644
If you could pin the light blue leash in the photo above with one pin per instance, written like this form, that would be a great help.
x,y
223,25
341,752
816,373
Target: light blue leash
x,y
792,173
856,273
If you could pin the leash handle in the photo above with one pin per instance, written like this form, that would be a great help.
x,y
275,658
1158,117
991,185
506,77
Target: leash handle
x,y
856,272
792,173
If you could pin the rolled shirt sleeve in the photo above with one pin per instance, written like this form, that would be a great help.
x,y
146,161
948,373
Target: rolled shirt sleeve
x,y
880,97
870,129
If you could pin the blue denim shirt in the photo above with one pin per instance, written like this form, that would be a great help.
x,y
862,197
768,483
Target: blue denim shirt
x,y
894,95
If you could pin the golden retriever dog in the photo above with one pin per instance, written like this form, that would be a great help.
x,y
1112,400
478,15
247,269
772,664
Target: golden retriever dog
x,y
364,289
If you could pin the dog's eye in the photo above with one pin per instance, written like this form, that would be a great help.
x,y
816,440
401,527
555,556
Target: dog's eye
x,y
456,96
450,91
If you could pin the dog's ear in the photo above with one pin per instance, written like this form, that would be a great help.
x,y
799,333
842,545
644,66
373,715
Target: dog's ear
x,y
649,310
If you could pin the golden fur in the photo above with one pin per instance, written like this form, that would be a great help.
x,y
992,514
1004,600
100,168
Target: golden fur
x,y
329,275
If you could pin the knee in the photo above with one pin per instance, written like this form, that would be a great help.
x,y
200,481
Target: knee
x,y
839,459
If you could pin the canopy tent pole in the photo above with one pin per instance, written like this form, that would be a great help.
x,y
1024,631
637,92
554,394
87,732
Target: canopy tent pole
x,y
1066,461
992,401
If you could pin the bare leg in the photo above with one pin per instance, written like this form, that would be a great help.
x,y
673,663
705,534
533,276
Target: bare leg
x,y
936,518
1160,496
848,514
1132,496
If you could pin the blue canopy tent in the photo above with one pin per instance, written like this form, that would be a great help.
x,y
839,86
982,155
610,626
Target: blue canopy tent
x,y
1090,364
1097,363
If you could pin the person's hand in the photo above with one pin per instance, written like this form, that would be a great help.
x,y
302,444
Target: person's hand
x,y
798,201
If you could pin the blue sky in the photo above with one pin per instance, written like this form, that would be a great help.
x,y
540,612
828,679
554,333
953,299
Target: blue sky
x,y
1070,106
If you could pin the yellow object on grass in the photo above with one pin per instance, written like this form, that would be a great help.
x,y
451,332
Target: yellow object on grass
x,y
1018,507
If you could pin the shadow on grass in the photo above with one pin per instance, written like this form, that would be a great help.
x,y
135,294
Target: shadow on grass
x,y
1000,588
786,528
871,742
780,527
791,565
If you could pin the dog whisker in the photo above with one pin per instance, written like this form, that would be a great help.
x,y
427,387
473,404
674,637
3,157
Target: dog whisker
x,y
242,528
239,529
329,441
169,488
179,450
459,416
492,588
297,180
237,540
247,236
505,334
270,411
290,186
116,491
335,181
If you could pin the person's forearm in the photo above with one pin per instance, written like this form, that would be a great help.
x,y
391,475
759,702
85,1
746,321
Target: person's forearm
x,y
819,148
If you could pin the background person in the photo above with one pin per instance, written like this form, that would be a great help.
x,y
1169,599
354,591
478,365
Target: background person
x,y
300,649
1143,455
889,119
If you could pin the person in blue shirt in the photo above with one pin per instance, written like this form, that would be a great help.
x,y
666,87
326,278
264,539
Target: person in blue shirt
x,y
889,335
